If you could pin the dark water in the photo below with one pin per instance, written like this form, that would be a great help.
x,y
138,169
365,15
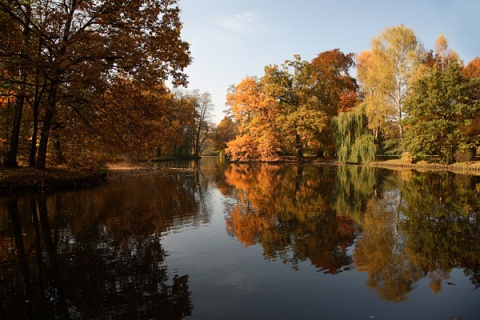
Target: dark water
x,y
218,241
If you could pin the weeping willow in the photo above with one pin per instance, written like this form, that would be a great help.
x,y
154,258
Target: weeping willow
x,y
353,141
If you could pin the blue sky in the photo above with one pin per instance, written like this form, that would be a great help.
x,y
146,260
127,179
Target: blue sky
x,y
232,39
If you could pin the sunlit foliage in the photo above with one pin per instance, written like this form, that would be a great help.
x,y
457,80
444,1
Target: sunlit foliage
x,y
62,58
289,109
385,73
441,107
353,141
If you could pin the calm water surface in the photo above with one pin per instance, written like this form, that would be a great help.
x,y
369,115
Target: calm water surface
x,y
211,240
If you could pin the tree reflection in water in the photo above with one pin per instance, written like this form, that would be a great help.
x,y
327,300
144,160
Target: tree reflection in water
x,y
401,226
288,210
99,254
75,255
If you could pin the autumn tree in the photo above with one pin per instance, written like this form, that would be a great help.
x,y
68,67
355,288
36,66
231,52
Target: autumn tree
x,y
471,129
443,54
472,70
11,155
201,129
300,117
335,88
89,43
224,132
385,73
289,109
255,115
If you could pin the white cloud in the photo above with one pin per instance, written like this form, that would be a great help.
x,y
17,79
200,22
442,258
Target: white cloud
x,y
243,23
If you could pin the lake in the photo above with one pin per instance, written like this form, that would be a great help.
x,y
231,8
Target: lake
x,y
213,240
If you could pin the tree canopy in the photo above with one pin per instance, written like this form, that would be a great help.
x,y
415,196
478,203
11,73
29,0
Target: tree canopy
x,y
440,107
408,100
385,73
64,58
288,110
85,82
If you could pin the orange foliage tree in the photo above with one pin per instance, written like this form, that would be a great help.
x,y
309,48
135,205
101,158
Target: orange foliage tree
x,y
472,70
295,102
255,113
66,55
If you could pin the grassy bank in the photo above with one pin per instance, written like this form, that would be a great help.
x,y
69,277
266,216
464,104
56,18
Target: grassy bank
x,y
470,167
29,179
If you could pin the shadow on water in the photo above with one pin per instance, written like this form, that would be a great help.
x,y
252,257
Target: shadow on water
x,y
94,254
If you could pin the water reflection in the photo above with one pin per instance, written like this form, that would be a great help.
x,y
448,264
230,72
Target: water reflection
x,y
289,211
405,225
96,254
102,253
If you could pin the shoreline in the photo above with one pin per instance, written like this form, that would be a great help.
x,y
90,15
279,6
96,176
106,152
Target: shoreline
x,y
24,179
466,168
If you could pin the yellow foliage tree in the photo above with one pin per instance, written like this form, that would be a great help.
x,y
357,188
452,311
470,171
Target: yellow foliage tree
x,y
385,73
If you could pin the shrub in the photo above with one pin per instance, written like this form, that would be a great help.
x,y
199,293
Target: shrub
x,y
407,157
464,155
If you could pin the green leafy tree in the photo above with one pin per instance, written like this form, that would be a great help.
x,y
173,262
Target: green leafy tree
x,y
353,141
301,116
439,105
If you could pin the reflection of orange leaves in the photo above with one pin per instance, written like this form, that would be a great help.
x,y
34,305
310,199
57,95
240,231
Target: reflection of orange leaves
x,y
435,286
406,175
247,226
346,226
256,210
257,182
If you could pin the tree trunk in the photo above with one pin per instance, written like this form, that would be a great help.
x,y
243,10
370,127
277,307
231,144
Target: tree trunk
x,y
12,152
299,147
196,147
47,124
39,90
33,146
57,145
